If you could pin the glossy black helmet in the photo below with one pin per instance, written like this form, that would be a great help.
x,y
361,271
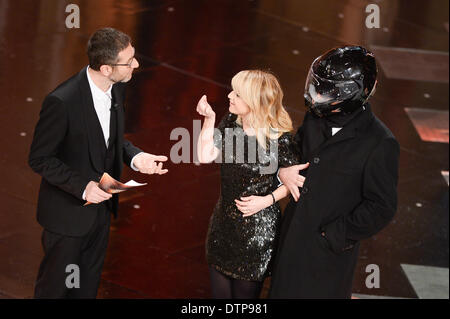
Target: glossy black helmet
x,y
343,78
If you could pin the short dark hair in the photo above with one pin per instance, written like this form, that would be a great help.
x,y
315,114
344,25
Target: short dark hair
x,y
104,47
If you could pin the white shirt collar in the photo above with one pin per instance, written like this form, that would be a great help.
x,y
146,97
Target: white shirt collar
x,y
334,130
95,90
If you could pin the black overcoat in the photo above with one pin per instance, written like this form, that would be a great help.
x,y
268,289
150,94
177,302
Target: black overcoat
x,y
350,194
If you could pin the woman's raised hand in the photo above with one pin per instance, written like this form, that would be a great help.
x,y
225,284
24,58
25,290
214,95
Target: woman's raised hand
x,y
204,109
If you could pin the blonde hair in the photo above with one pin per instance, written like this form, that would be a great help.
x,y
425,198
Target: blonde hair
x,y
262,93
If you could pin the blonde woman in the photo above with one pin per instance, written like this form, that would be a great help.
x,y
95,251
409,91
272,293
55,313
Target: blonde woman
x,y
243,229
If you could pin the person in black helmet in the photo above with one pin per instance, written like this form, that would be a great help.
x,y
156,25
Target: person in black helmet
x,y
349,191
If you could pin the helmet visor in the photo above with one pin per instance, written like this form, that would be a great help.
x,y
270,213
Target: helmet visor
x,y
323,91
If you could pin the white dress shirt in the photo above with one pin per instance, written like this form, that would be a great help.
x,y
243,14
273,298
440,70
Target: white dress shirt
x,y
102,104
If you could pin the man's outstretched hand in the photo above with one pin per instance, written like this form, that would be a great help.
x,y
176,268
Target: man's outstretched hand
x,y
291,178
148,163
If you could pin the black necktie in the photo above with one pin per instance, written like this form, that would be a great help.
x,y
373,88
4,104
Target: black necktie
x,y
113,124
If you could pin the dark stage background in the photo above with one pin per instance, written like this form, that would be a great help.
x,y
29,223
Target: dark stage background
x,y
187,48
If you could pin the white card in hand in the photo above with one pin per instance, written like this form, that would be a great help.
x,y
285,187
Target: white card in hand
x,y
133,183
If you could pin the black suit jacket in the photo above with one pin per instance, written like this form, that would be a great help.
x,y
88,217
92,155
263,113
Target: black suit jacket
x,y
68,152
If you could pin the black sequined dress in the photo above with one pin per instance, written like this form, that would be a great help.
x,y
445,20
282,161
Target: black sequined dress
x,y
237,246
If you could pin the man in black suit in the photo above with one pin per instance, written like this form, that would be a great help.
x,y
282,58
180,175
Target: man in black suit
x,y
79,136
350,189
